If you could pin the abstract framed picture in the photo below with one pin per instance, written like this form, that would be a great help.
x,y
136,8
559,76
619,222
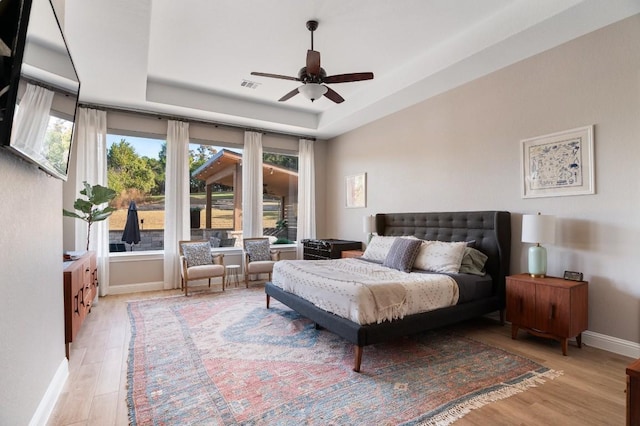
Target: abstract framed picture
x,y
559,164
356,190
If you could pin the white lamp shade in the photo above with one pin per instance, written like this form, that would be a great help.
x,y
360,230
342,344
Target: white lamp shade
x,y
367,224
537,228
312,91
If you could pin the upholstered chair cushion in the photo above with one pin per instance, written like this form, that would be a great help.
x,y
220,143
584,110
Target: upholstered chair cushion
x,y
205,271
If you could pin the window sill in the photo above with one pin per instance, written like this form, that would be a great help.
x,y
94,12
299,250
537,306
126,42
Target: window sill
x,y
136,256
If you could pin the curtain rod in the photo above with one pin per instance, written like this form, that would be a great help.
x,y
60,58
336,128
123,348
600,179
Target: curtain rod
x,y
165,116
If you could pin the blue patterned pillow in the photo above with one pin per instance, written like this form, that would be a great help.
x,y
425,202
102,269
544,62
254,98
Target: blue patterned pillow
x,y
402,254
258,250
197,253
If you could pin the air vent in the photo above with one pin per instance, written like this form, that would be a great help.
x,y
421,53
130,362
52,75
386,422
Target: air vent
x,y
249,84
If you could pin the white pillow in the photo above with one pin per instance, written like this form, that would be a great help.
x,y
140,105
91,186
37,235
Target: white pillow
x,y
378,248
440,256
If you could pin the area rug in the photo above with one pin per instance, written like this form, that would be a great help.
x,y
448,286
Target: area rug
x,y
224,359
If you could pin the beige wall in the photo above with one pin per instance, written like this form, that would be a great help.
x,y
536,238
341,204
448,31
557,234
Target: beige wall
x,y
460,151
31,303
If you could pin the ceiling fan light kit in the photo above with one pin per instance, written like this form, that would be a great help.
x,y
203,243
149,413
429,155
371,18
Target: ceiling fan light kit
x,y
312,91
313,76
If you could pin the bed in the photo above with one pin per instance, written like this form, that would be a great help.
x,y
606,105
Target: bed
x,y
487,231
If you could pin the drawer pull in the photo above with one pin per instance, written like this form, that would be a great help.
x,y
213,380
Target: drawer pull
x,y
552,311
77,308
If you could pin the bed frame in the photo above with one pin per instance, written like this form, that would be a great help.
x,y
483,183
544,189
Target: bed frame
x,y
491,231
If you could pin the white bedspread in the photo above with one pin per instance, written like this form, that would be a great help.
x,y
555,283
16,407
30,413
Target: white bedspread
x,y
350,288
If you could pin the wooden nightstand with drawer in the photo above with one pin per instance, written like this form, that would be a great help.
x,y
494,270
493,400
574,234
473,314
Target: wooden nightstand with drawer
x,y
351,253
548,307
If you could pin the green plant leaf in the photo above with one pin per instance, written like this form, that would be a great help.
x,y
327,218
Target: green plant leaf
x,y
70,214
101,194
83,205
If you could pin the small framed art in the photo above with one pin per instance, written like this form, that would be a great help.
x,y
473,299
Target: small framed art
x,y
356,190
558,164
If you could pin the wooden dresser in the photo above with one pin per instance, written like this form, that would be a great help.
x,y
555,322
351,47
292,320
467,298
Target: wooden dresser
x,y
548,307
633,393
80,288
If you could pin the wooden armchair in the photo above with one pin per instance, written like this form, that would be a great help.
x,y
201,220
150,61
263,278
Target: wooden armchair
x,y
258,257
197,263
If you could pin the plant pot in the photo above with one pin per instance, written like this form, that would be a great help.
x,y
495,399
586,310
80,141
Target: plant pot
x,y
195,219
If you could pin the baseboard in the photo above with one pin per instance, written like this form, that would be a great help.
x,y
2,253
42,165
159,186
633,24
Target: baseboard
x,y
136,288
611,344
48,401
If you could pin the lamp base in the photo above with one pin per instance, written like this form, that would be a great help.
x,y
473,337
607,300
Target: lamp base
x,y
537,261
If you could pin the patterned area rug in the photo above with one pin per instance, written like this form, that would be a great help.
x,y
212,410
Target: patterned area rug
x,y
224,359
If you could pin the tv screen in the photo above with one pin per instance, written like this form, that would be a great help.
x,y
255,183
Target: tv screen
x,y
40,86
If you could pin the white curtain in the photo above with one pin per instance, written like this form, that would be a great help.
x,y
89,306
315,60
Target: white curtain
x,y
176,199
252,185
32,119
91,166
306,194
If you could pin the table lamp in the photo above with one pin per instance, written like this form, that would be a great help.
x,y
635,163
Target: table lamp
x,y
537,229
368,227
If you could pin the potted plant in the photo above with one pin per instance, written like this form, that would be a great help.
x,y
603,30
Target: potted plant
x,y
89,205
281,226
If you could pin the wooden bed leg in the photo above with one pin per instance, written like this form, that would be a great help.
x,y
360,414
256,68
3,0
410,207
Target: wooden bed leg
x,y
358,359
268,300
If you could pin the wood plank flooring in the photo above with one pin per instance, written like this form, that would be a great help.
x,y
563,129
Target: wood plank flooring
x,y
591,390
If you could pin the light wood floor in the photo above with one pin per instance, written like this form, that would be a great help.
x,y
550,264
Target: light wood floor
x,y
591,390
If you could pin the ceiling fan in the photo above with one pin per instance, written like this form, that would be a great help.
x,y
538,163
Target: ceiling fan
x,y
314,77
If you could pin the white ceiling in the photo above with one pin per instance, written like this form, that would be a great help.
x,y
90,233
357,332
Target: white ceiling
x,y
189,58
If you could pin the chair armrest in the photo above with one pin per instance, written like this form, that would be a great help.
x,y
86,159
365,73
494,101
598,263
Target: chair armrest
x,y
275,255
218,259
183,266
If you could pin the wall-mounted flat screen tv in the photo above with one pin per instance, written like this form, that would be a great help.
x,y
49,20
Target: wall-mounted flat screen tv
x,y
39,85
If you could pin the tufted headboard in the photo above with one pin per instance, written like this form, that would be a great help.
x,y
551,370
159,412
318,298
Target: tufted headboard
x,y
491,231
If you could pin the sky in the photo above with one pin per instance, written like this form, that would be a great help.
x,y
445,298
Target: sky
x,y
147,147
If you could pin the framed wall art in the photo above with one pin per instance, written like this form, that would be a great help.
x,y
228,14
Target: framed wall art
x,y
356,190
559,164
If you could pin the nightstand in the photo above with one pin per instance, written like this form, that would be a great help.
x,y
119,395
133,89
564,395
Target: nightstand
x,y
351,253
548,307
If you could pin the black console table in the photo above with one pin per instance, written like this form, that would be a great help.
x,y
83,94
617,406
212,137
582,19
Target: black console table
x,y
327,249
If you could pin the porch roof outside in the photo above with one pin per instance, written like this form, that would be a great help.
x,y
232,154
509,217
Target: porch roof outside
x,y
220,169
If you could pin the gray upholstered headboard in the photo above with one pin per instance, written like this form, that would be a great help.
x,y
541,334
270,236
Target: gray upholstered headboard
x,y
491,231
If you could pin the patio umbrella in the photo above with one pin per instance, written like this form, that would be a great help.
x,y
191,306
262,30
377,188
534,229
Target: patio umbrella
x,y
131,234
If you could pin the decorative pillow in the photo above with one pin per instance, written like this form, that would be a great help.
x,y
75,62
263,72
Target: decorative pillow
x,y
440,256
197,253
258,250
378,248
215,241
402,254
473,262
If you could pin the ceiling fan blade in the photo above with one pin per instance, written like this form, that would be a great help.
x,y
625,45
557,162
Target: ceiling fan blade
x,y
313,62
333,95
289,95
282,77
346,78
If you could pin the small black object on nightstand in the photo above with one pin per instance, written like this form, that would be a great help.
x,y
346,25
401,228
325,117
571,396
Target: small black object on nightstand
x,y
573,276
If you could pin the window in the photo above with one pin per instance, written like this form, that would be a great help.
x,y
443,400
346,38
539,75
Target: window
x,y
136,171
216,206
280,196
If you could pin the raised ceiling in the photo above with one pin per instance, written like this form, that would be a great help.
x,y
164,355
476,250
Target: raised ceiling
x,y
190,58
